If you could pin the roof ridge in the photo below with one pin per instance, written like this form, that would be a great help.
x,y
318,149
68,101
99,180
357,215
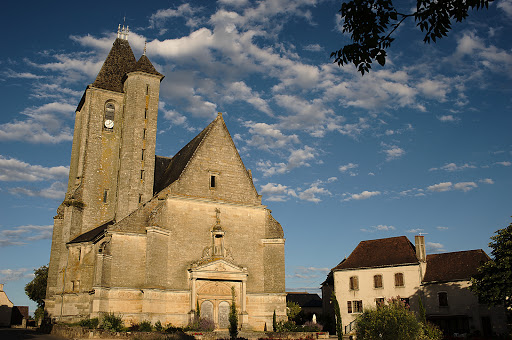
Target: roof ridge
x,y
145,65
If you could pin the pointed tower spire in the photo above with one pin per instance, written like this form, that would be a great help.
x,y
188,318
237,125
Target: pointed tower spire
x,y
145,43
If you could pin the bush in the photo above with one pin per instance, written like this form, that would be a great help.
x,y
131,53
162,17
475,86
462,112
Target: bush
x,y
112,322
158,326
201,324
431,332
145,326
309,326
393,321
89,323
288,326
171,329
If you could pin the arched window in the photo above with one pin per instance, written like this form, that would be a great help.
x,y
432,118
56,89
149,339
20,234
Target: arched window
x,y
207,310
224,314
110,112
377,281
354,283
399,280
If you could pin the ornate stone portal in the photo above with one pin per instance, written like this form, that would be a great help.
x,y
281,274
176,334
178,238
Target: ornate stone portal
x,y
212,278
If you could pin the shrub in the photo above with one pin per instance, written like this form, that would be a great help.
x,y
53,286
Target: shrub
x,y
158,326
233,316
309,326
393,321
206,324
112,322
274,322
431,332
89,323
171,329
288,326
145,326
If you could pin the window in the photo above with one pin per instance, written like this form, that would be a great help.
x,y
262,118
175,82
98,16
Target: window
x,y
399,280
110,110
379,302
144,134
354,283
140,198
358,306
443,299
212,181
349,307
142,175
143,150
145,113
105,196
147,90
377,281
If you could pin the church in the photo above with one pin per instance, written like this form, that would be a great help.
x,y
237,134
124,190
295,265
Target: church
x,y
155,238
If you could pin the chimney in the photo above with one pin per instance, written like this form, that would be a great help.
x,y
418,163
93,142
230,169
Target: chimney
x,y
419,241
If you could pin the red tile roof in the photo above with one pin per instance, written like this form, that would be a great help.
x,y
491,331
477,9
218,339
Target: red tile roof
x,y
456,266
382,252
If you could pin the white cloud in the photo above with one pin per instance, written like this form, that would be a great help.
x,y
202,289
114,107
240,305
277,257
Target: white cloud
x,y
311,193
56,191
314,48
268,136
157,19
276,192
379,227
23,234
433,247
363,195
414,231
448,118
506,6
465,186
486,181
12,169
22,75
392,151
454,167
44,124
436,89
442,228
10,275
297,158
505,163
346,167
239,91
440,187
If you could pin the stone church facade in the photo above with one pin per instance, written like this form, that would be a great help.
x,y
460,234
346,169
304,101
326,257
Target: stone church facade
x,y
150,237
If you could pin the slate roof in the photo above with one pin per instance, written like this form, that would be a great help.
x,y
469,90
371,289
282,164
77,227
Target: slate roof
x,y
456,266
304,299
144,65
175,166
92,234
120,61
382,252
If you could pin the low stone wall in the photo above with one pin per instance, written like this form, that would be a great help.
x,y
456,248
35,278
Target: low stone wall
x,y
77,332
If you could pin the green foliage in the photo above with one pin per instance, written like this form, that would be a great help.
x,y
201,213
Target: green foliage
x,y
492,282
288,326
112,322
200,324
310,326
89,323
392,321
292,310
372,22
36,289
274,322
429,331
172,329
198,310
158,326
337,313
233,317
145,326
422,313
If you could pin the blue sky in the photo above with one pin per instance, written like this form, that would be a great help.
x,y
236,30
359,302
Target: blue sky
x,y
421,145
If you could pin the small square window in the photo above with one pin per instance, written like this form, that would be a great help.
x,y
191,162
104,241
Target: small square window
x,y
349,307
213,181
399,280
443,299
358,306
377,281
354,283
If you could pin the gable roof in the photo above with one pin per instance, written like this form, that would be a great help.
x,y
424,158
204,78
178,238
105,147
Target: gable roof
x,y
92,234
304,299
175,166
120,60
455,266
380,253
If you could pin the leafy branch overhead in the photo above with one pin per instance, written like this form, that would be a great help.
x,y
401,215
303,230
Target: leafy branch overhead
x,y
372,23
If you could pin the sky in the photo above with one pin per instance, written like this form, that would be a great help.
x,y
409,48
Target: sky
x,y
421,145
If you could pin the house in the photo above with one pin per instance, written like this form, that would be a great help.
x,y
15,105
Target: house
x,y
378,270
5,308
310,304
154,238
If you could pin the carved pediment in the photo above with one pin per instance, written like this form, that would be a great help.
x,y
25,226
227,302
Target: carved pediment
x,y
219,266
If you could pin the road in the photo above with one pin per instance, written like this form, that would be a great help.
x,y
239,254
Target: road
x,y
24,334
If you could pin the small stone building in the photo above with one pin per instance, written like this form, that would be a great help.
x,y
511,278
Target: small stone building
x,y
150,237
5,308
378,270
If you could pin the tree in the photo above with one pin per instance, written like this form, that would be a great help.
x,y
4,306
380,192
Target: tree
x,y
274,322
337,313
36,289
392,321
371,24
233,317
492,282
292,310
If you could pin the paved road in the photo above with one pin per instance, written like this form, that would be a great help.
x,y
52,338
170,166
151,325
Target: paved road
x,y
24,334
